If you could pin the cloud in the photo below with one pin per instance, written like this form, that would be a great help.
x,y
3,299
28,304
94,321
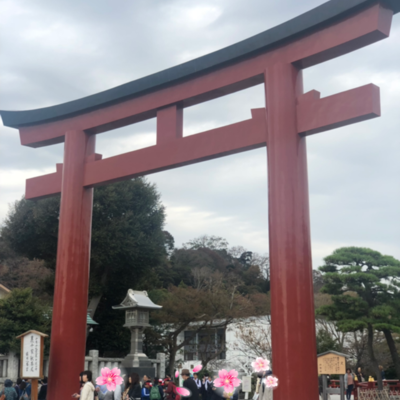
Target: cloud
x,y
192,17
12,186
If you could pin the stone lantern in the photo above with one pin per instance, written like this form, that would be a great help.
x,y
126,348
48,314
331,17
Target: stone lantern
x,y
137,306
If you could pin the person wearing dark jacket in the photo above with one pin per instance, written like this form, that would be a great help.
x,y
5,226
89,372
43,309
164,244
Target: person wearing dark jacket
x,y
28,388
207,389
198,382
17,387
43,390
190,384
132,388
360,375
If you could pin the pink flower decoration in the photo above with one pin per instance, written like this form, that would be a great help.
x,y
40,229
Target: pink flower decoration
x,y
227,380
260,364
183,391
177,374
110,378
271,381
197,368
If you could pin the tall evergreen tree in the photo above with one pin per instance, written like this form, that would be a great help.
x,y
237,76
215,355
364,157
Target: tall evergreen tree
x,y
127,235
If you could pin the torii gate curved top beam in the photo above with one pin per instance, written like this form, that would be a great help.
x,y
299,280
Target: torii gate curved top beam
x,y
275,58
293,29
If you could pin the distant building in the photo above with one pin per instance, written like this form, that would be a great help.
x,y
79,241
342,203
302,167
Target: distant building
x,y
4,291
233,348
228,349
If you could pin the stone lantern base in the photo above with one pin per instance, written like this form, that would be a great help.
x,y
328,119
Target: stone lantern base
x,y
138,363
136,360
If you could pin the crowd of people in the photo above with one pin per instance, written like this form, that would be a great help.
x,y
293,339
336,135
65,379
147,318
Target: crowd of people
x,y
146,388
135,388
350,379
21,390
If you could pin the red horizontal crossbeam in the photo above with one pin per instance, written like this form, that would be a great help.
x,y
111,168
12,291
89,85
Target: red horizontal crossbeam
x,y
231,139
358,30
316,115
43,186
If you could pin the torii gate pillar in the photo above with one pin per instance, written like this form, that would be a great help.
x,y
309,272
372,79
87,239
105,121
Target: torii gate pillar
x,y
292,299
72,273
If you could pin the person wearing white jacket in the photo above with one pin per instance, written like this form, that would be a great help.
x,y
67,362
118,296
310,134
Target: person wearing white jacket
x,y
87,391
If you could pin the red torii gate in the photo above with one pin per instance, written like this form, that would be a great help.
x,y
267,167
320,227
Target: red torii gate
x,y
275,58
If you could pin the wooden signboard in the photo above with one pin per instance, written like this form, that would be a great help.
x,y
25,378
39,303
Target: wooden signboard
x,y
331,363
32,348
246,383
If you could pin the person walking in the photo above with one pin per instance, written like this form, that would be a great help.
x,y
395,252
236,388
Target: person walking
x,y
360,375
22,387
203,391
190,384
145,379
8,391
17,387
383,375
155,393
26,394
87,390
132,388
43,390
208,389
146,391
349,383
198,382
170,389
320,385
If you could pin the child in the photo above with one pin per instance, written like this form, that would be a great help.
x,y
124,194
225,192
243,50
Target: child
x,y
146,391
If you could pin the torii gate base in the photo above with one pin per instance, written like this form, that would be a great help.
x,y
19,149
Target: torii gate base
x,y
275,58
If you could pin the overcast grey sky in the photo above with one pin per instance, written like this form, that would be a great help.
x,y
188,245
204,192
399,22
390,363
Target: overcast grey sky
x,y
56,51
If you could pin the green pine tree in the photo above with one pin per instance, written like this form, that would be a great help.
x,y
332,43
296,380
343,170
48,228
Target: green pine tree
x,y
365,289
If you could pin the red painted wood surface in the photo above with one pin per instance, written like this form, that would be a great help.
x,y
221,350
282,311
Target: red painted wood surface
x,y
316,115
231,139
169,124
68,331
292,298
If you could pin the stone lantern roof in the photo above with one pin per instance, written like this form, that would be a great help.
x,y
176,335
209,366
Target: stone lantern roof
x,y
137,299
